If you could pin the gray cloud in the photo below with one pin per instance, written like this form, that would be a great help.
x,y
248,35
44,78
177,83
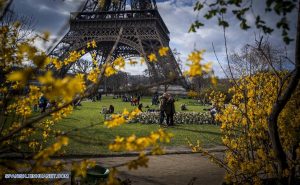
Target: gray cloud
x,y
53,16
179,16
50,15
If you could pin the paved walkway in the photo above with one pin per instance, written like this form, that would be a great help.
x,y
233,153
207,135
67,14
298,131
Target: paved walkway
x,y
174,169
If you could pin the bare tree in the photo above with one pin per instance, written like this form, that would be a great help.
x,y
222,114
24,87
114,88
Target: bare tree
x,y
260,57
26,24
116,82
82,66
177,56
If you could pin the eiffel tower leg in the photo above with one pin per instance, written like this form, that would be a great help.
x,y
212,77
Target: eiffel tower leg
x,y
170,65
151,67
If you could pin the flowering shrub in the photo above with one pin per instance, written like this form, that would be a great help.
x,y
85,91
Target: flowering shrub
x,y
179,118
250,158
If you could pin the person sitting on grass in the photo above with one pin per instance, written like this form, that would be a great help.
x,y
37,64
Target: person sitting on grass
x,y
183,107
111,109
140,107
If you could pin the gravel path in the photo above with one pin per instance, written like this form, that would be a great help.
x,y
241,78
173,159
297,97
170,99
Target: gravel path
x,y
176,169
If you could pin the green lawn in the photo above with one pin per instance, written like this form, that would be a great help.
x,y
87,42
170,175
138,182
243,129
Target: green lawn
x,y
119,105
87,139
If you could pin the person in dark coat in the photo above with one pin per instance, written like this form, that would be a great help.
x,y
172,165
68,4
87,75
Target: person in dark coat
x,y
140,107
162,108
43,104
138,99
170,110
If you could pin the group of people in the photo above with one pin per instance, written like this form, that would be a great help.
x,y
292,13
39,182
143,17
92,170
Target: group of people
x,y
155,99
134,100
167,109
43,104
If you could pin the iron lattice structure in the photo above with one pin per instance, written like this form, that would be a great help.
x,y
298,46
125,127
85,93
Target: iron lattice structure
x,y
142,32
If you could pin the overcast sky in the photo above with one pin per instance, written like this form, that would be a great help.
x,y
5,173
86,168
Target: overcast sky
x,y
53,16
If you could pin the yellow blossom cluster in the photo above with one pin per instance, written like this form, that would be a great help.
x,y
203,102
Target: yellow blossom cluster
x,y
62,113
21,137
44,154
119,63
217,99
62,89
73,56
23,105
57,64
133,143
196,68
80,168
109,70
93,75
141,161
163,51
119,119
195,147
152,57
14,52
91,44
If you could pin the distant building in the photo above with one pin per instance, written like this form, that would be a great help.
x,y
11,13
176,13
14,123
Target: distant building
x,y
172,89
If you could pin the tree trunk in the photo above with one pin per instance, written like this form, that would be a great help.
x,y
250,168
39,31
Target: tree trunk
x,y
280,104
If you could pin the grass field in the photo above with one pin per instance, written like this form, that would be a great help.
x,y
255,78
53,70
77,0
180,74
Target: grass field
x,y
87,139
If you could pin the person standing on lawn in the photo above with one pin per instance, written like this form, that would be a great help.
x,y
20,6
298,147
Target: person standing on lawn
x,y
43,104
170,110
138,99
162,107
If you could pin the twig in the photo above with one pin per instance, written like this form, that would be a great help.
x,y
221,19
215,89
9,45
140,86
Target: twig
x,y
219,60
227,56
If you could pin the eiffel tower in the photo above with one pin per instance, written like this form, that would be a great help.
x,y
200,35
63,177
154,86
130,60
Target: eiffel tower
x,y
136,24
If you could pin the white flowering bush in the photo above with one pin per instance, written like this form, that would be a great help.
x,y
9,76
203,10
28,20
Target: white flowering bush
x,y
179,118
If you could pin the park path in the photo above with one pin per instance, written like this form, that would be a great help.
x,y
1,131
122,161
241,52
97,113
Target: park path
x,y
174,169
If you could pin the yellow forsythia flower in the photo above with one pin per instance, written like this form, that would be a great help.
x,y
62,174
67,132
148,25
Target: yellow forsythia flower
x,y
109,71
94,45
152,57
93,75
119,62
163,51
16,76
